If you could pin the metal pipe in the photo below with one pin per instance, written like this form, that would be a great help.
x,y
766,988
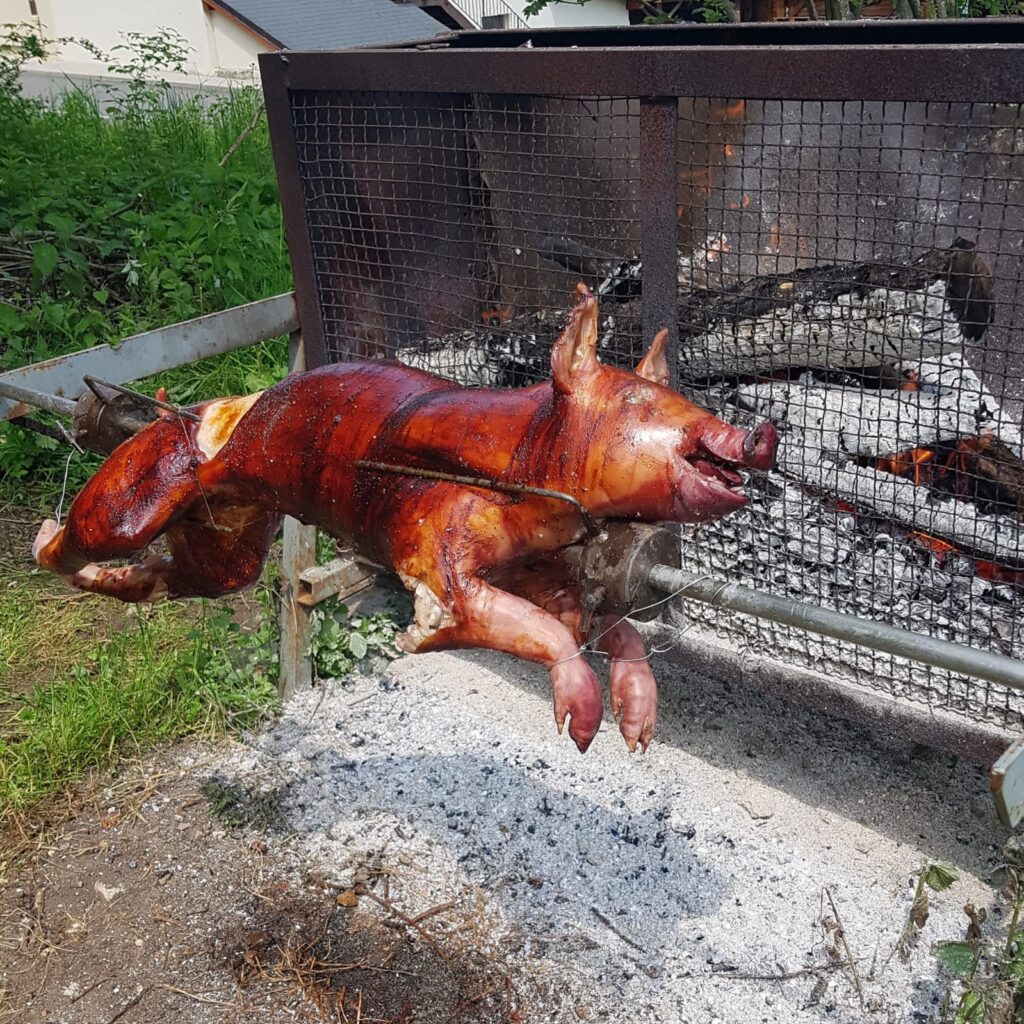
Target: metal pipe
x,y
996,668
37,399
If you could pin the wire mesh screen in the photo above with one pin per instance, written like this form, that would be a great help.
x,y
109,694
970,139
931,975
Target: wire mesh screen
x,y
432,218
849,270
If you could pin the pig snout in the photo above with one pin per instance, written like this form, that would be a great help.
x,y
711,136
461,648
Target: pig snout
x,y
759,446
754,449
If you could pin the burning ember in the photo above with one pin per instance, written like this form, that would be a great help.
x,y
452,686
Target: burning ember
x,y
978,469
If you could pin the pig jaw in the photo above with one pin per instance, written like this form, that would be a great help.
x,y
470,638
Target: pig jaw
x,y
707,480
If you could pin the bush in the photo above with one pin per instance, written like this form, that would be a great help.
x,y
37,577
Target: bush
x,y
117,218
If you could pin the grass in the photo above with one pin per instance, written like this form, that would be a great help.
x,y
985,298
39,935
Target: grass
x,y
162,673
119,219
114,219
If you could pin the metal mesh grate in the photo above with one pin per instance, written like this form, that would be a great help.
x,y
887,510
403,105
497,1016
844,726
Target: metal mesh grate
x,y
835,266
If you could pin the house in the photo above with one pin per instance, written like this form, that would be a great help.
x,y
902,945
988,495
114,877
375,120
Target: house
x,y
226,37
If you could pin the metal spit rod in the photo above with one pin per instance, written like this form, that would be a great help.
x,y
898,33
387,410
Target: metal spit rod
x,y
996,668
39,399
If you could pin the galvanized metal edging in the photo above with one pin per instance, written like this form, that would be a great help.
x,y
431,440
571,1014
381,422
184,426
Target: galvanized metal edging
x,y
879,636
142,355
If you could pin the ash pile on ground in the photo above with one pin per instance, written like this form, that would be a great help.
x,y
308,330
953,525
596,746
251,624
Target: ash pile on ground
x,y
684,885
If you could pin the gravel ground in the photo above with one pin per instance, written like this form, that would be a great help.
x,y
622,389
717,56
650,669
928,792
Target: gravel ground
x,y
661,887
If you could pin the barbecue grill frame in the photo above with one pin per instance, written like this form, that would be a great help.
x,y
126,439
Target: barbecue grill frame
x,y
952,62
937,62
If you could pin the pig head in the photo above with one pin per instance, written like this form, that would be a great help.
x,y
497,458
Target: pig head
x,y
486,568
635,448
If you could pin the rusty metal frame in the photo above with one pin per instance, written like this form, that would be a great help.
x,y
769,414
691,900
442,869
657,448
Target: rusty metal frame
x,y
957,61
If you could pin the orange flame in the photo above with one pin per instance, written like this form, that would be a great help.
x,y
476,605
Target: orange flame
x,y
906,464
728,151
490,316
733,111
937,546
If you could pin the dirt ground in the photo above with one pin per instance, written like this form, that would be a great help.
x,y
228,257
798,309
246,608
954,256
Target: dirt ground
x,y
149,909
421,847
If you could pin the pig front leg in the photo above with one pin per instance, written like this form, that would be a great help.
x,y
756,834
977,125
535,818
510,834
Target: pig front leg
x,y
634,693
480,615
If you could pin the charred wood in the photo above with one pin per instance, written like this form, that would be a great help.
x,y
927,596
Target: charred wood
x,y
835,316
960,523
855,422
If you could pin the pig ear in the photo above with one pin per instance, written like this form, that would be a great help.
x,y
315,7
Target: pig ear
x,y
574,355
653,366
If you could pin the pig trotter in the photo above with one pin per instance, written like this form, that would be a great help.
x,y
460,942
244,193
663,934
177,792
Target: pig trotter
x,y
634,693
577,694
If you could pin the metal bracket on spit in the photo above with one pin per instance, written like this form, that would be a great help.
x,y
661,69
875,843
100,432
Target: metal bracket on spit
x,y
1006,780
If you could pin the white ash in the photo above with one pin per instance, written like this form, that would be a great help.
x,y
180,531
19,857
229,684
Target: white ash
x,y
855,421
707,856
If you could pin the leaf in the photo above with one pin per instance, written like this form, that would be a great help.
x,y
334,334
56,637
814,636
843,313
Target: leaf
x,y
10,319
919,909
956,957
44,258
63,226
358,646
939,876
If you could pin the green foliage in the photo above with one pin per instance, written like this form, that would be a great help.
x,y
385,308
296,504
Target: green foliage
x,y
937,876
117,218
165,678
341,642
956,957
986,969
18,45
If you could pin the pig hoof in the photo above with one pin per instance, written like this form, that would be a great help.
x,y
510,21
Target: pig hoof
x,y
634,695
577,695
46,533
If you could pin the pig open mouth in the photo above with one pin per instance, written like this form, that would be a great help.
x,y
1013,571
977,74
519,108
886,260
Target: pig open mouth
x,y
706,490
717,470
710,482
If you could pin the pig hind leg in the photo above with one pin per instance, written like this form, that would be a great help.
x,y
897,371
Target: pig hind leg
x,y
634,693
223,554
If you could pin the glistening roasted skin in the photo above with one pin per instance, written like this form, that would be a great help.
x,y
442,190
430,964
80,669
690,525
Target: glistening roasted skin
x,y
485,567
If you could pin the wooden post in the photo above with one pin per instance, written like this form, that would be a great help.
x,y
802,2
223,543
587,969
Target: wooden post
x,y
298,555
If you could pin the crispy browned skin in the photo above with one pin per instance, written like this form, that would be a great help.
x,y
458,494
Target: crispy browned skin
x,y
484,566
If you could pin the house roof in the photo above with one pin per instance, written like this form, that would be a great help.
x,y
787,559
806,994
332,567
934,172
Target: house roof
x,y
330,24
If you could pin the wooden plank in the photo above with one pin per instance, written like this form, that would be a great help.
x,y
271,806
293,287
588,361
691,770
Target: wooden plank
x,y
298,556
154,351
341,578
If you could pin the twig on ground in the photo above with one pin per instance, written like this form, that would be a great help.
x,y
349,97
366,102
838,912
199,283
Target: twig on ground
x,y
392,909
846,946
439,909
197,997
615,931
92,988
803,972
127,1006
